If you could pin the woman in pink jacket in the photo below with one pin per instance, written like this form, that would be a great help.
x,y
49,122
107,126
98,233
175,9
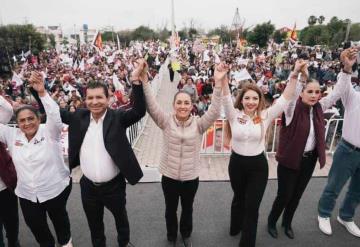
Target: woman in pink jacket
x,y
180,160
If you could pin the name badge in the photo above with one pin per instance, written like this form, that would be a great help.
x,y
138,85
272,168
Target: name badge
x,y
242,120
19,143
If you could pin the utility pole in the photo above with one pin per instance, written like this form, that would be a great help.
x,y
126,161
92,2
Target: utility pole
x,y
347,31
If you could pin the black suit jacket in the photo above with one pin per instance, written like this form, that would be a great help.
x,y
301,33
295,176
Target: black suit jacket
x,y
114,131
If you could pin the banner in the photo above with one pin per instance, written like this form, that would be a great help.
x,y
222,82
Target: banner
x,y
215,138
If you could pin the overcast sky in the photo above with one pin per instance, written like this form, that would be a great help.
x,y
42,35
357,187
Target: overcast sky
x,y
156,13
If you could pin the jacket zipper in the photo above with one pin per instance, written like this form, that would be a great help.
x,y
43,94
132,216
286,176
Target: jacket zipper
x,y
181,150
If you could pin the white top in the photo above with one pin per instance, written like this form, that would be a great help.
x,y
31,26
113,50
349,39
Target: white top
x,y
326,102
95,161
5,116
247,137
351,101
39,163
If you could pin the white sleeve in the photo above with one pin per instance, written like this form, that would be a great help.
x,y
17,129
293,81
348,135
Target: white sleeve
x,y
343,89
53,118
290,108
276,109
6,111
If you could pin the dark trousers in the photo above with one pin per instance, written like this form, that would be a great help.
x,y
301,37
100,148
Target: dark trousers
x,y
248,178
173,191
2,244
291,185
35,218
9,217
111,195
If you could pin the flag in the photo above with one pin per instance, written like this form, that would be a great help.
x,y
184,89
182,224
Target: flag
x,y
82,65
118,41
16,78
242,75
293,34
175,65
98,41
117,84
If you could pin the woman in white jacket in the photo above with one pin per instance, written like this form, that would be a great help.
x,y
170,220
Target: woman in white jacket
x,y
43,179
180,159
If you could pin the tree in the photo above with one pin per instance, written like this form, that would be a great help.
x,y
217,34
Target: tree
x,y
315,35
223,32
261,34
312,20
192,33
52,41
108,36
143,33
65,41
321,19
355,32
164,34
17,38
279,37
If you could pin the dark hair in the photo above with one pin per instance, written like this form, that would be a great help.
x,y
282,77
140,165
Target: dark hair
x,y
97,84
184,92
27,107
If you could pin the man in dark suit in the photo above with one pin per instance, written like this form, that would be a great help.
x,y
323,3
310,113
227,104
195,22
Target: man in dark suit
x,y
98,143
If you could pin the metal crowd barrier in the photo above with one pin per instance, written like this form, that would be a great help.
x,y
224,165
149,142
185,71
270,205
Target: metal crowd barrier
x,y
214,143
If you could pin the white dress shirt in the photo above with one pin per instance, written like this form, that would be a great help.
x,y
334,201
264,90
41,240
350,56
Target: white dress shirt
x,y
5,116
340,89
95,161
39,163
247,137
351,101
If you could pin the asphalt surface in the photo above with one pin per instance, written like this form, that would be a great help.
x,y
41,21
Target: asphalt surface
x,y
145,204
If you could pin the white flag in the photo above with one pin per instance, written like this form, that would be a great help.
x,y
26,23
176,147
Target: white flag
x,y
242,75
82,65
16,78
117,84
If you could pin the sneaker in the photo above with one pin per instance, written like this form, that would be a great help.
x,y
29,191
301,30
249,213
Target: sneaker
x,y
350,226
69,244
325,225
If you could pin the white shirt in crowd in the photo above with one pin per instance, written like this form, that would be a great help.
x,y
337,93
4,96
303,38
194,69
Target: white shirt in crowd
x,y
5,116
95,161
248,138
326,102
39,163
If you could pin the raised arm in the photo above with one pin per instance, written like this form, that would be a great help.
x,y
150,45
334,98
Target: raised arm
x,y
138,110
6,113
213,113
343,88
290,107
230,111
53,119
6,110
290,93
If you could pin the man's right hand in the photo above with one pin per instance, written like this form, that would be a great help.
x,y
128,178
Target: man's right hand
x,y
348,57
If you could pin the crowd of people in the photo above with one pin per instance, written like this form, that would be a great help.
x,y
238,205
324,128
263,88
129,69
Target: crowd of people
x,y
100,93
